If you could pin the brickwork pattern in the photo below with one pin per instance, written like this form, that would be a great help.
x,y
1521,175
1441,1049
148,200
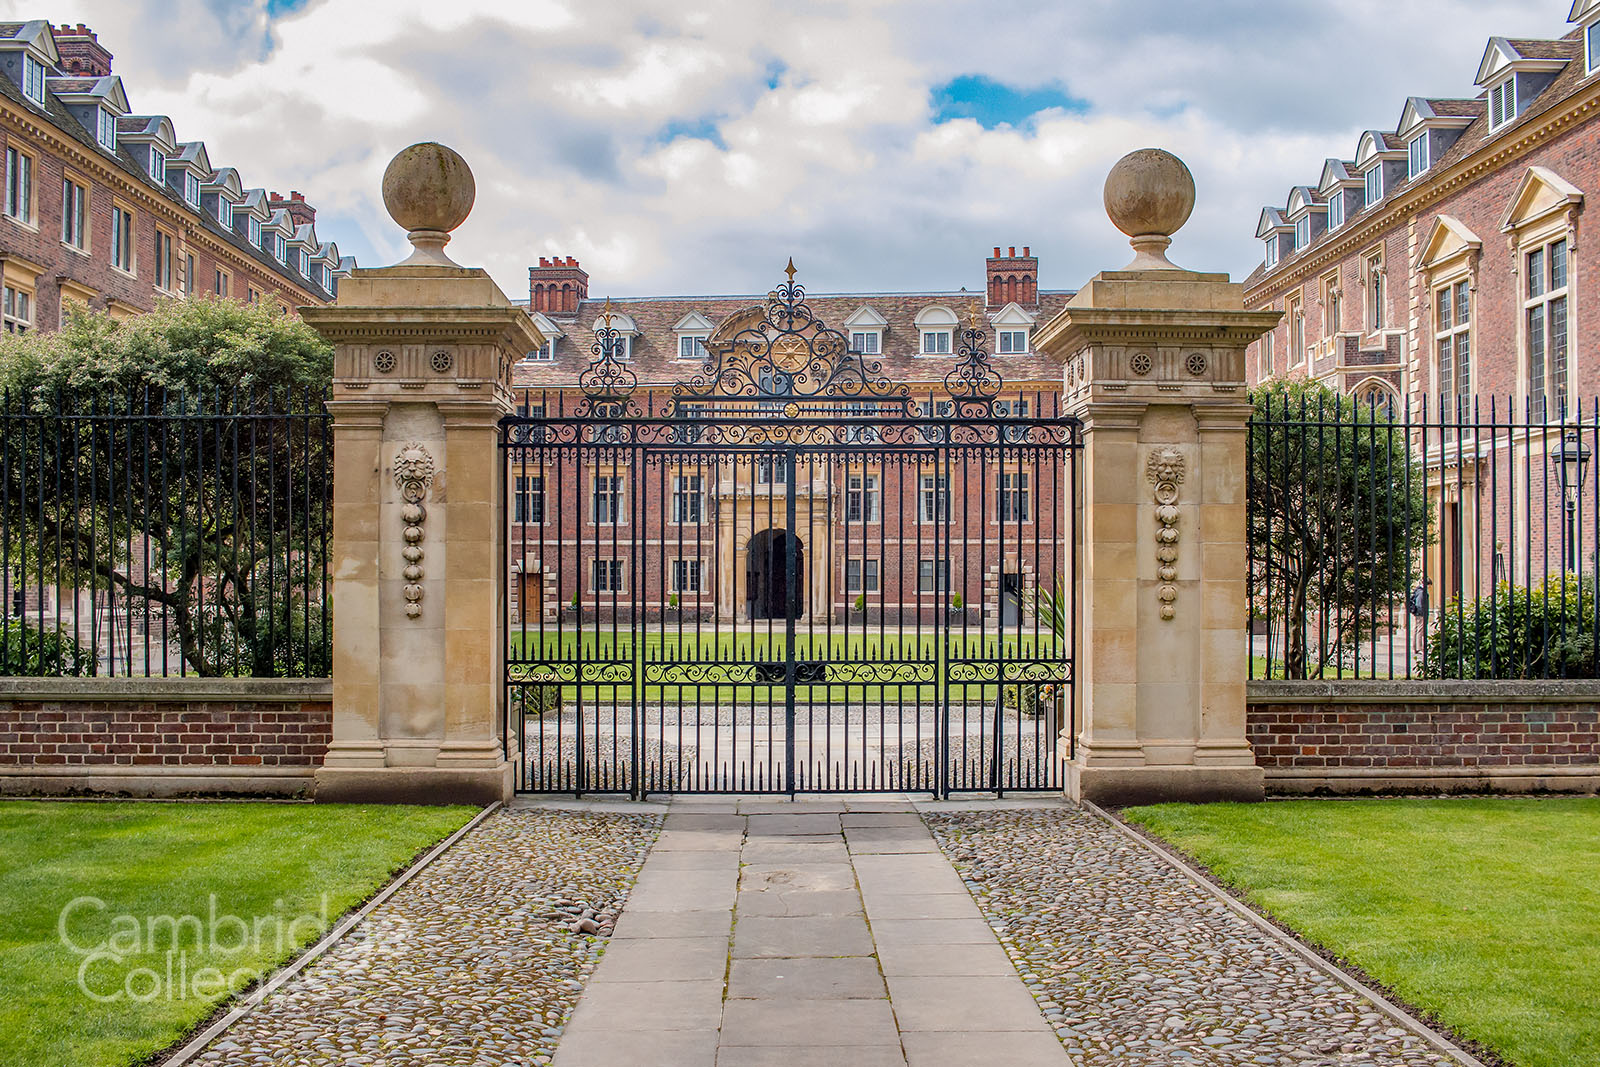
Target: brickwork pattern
x,y
1383,736
133,733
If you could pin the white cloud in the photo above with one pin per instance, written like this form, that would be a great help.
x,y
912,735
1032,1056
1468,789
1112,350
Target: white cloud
x,y
801,129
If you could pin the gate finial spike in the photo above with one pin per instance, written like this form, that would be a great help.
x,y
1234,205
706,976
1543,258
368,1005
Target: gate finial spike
x,y
606,314
790,271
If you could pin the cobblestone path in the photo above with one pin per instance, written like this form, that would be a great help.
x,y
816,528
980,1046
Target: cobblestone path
x,y
1134,964
477,960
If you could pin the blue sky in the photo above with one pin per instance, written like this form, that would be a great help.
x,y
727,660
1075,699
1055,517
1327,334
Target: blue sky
x,y
692,147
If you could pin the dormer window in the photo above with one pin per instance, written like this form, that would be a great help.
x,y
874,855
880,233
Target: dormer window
x,y
225,212
1591,48
1302,232
936,342
1502,103
33,79
1374,184
253,230
545,353
936,327
692,346
191,188
106,129
301,264
1012,342
1272,251
280,249
865,341
1336,210
158,165
1417,160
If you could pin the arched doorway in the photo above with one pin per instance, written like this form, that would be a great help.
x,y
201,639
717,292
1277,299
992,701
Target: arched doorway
x,y
767,589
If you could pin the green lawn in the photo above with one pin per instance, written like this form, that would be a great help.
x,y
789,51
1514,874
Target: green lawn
x,y
126,863
1484,912
862,667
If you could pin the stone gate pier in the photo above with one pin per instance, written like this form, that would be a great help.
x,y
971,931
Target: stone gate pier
x,y
1154,366
422,374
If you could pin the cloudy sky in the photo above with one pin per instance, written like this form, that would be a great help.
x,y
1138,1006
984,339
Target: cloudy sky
x,y
691,146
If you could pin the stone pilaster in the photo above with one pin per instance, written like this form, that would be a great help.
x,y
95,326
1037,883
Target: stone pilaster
x,y
422,371
1154,366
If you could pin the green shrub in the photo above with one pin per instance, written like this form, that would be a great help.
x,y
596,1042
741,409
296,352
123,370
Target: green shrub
x,y
861,602
1025,698
957,603
536,699
1517,632
29,652
672,600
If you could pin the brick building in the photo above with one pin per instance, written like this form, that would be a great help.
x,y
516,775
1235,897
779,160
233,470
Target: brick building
x,y
886,535
109,210
1438,270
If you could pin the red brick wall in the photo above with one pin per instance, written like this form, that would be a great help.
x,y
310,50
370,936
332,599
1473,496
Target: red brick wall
x,y
1387,736
172,733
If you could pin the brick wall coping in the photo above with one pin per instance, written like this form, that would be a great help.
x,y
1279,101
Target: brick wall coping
x,y
1420,691
222,690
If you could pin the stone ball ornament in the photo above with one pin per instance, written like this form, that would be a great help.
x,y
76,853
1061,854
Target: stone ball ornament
x,y
429,190
1149,195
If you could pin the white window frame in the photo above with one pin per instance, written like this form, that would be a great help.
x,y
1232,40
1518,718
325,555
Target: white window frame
x,y
1015,502
225,212
933,498
1451,331
74,213
252,232
1006,341
122,238
932,338
863,498
105,129
1302,232
616,497
863,575
683,568
1548,296
1502,102
1418,159
933,576
16,309
695,344
158,164
1295,315
1372,184
545,353
1591,47
33,79
191,188
19,185
1272,251
528,491
616,574
867,342
165,260
1336,210
687,498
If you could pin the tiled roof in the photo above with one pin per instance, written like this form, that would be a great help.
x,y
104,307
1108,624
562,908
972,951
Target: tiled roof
x,y
655,349
135,174
1475,137
1456,108
1538,49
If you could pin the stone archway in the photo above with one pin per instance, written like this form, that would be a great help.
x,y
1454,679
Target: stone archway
x,y
767,590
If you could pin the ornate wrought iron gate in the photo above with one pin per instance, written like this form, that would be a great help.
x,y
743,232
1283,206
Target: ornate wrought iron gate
x,y
789,575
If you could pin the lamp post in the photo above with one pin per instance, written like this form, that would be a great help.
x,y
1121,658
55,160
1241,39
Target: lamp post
x,y
1571,460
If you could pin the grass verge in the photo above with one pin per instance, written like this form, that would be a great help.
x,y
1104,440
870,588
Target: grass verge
x,y
1482,912
119,932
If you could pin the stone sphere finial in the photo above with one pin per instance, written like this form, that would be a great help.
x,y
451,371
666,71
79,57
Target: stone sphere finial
x,y
1149,195
429,190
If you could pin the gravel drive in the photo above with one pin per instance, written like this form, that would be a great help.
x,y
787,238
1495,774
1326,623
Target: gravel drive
x,y
1133,964
480,959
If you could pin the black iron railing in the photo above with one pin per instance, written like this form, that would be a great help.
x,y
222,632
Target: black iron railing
x,y
1456,540
165,534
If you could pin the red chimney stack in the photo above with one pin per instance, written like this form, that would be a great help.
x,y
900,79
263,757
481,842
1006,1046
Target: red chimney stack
x,y
1012,278
556,286
295,204
82,54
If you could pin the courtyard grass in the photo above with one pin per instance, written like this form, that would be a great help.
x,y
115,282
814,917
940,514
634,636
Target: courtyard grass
x,y
1484,912
267,864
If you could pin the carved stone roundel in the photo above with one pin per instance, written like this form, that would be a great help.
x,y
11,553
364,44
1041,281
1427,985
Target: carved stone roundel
x,y
1140,364
383,362
1195,364
442,362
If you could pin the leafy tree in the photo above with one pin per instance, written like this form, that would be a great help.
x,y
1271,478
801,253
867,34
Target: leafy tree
x,y
151,461
1337,513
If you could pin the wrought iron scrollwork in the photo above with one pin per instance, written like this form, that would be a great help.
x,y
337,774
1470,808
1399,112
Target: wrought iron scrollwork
x,y
973,383
785,354
607,383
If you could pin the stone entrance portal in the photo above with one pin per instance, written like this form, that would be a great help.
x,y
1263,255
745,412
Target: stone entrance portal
x,y
767,575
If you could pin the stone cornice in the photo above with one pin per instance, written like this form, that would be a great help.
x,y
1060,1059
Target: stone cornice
x,y
507,326
1078,328
1366,230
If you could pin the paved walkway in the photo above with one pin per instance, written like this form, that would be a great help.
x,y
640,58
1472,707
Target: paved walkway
x,y
843,936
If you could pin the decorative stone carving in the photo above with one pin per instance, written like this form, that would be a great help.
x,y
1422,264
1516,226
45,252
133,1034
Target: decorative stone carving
x,y
441,362
1141,363
1165,471
413,475
384,362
